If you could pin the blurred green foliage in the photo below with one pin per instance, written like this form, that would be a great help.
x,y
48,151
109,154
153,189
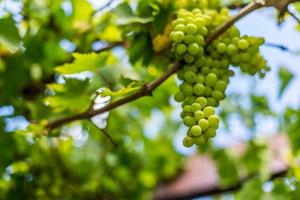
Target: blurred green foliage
x,y
51,67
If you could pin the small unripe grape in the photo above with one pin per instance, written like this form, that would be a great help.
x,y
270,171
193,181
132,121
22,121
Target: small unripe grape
x,y
202,101
221,48
199,21
200,79
178,36
195,107
181,49
199,140
211,132
200,40
191,29
205,70
243,44
211,79
208,111
187,108
187,141
179,97
207,91
203,31
190,100
218,95
220,85
187,89
189,76
212,102
180,27
189,39
196,130
188,58
189,121
193,48
199,89
231,49
203,123
184,114
213,121
198,115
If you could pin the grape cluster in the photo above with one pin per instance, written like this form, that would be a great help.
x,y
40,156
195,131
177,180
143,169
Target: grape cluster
x,y
206,73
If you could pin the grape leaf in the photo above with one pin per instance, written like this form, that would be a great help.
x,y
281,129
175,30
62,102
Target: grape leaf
x,y
83,62
9,35
71,95
132,87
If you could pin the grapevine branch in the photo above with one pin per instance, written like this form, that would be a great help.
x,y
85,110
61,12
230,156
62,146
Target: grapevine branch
x,y
147,89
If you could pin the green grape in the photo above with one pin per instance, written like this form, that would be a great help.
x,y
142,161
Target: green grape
x,y
179,97
189,121
199,115
189,76
203,123
190,100
195,107
181,49
199,22
207,91
184,114
196,130
205,70
200,78
217,95
180,27
191,29
186,89
187,108
211,79
211,132
221,48
199,89
178,36
203,31
188,58
212,102
208,111
202,101
193,48
213,121
243,44
188,39
199,140
231,49
200,40
220,86
188,141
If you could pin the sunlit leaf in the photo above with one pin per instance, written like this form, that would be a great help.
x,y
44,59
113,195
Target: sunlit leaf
x,y
285,77
9,35
84,62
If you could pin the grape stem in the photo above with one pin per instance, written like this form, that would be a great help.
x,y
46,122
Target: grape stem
x,y
243,12
147,89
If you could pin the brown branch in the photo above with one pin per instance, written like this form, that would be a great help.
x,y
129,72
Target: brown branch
x,y
221,29
147,89
222,190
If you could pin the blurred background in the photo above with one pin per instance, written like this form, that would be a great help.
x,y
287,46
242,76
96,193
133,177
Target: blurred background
x,y
143,156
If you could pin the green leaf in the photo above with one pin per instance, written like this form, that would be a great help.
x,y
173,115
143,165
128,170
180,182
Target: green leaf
x,y
285,77
132,87
126,15
9,35
84,62
71,95
251,190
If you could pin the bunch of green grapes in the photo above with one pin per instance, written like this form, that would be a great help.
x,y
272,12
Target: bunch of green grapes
x,y
206,73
